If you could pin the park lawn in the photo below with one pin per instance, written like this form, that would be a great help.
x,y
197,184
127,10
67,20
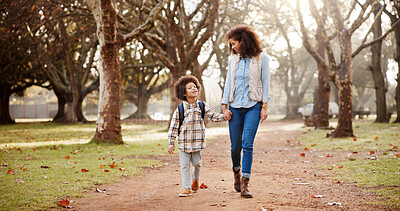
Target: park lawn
x,y
53,132
37,177
373,161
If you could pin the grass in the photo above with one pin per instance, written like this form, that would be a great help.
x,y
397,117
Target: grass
x,y
37,177
379,170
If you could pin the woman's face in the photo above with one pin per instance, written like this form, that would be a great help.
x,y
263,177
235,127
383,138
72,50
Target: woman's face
x,y
235,45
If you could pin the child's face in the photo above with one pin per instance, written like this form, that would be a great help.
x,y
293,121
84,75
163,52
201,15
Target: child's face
x,y
191,90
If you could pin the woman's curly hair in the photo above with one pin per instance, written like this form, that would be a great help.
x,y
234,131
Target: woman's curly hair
x,y
249,43
180,86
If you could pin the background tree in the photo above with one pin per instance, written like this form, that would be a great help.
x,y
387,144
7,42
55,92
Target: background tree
x,y
394,14
18,68
108,127
66,44
142,77
177,42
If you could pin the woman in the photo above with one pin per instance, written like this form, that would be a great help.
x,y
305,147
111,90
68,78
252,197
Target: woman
x,y
247,93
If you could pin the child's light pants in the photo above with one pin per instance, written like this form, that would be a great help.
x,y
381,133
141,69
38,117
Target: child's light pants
x,y
184,159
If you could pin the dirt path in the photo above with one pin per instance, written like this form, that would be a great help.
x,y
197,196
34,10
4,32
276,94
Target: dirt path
x,y
281,180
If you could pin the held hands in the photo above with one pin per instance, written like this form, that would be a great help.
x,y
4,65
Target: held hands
x,y
171,149
227,115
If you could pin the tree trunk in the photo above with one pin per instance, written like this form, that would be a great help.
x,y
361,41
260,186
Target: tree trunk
x,y
141,103
108,129
322,107
345,122
5,117
376,70
397,58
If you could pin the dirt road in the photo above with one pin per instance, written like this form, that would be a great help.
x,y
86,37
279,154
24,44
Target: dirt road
x,y
281,180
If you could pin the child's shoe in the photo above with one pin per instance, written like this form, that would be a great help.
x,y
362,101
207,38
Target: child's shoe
x,y
186,192
195,185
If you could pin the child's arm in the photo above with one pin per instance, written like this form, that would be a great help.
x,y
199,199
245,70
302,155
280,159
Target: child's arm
x,y
173,131
214,116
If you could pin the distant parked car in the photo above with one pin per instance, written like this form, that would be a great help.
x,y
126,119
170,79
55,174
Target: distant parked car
x,y
307,110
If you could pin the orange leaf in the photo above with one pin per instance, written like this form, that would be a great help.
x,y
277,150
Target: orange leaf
x,y
113,165
302,154
122,169
313,145
84,170
106,170
371,152
305,148
338,182
203,186
10,171
34,149
395,147
68,157
398,155
288,141
340,167
329,156
212,160
330,168
317,196
354,139
63,203
376,138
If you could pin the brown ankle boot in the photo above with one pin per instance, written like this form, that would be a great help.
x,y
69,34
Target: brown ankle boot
x,y
236,175
244,182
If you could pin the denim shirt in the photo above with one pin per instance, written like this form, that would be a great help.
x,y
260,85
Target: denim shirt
x,y
241,95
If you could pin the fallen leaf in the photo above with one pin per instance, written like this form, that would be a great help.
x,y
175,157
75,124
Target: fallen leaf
x,y
371,152
354,139
313,145
19,181
317,196
302,154
44,167
122,169
330,168
68,157
288,141
203,186
397,155
84,170
338,182
158,144
34,149
113,165
64,203
395,147
340,167
106,170
100,191
329,156
334,203
10,171
305,148
376,138
212,160
4,164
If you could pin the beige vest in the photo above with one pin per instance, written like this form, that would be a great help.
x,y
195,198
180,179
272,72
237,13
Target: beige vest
x,y
255,83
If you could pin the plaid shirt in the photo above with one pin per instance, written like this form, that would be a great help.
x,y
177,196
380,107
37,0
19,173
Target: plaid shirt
x,y
192,135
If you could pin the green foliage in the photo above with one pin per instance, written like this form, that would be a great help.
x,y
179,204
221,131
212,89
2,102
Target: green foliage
x,y
378,172
43,187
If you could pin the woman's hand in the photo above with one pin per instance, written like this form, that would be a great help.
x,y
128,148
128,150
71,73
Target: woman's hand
x,y
227,115
171,149
263,114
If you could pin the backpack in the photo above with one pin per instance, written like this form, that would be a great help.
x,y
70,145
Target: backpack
x,y
182,114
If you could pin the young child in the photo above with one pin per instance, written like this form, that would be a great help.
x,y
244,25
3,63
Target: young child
x,y
191,138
